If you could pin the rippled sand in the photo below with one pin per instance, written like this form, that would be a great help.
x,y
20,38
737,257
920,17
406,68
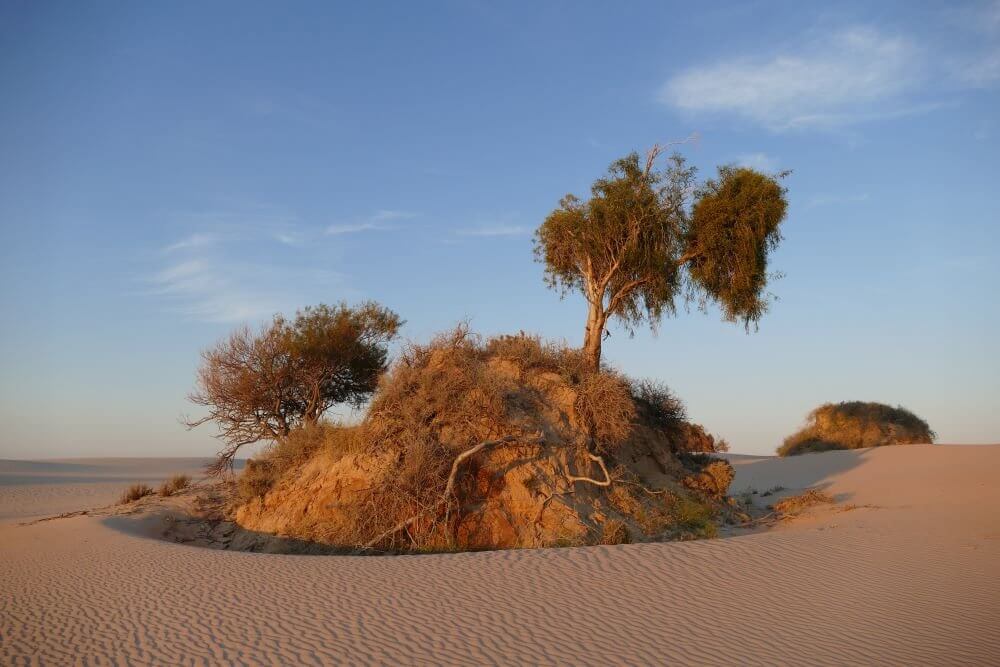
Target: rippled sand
x,y
909,575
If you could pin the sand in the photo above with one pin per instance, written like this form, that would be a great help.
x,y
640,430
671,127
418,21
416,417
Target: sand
x,y
909,575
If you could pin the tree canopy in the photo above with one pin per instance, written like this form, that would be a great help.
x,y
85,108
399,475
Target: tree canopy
x,y
259,386
648,236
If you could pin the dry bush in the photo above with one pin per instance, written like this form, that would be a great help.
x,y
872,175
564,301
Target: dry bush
x,y
293,450
660,408
133,493
795,504
606,409
174,485
614,531
713,479
855,425
257,478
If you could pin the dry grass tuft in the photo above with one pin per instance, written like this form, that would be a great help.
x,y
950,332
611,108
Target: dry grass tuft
x,y
794,504
133,493
175,484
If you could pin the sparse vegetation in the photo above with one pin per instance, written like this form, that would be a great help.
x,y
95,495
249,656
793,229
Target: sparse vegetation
x,y
614,531
133,493
175,484
795,504
854,425
647,236
692,520
660,407
460,427
462,437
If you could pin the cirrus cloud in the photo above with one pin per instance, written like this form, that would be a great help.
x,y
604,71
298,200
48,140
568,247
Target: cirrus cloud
x,y
851,75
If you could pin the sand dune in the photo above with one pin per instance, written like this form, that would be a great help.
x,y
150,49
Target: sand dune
x,y
909,576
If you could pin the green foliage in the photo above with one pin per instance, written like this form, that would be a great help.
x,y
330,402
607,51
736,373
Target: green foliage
x,y
339,351
692,519
854,425
646,237
629,236
734,226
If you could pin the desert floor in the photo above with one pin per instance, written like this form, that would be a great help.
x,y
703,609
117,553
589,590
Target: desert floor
x,y
905,569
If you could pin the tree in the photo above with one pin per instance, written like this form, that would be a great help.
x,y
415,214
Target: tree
x,y
647,236
261,386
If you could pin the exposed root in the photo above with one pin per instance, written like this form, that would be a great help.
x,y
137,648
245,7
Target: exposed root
x,y
448,489
596,482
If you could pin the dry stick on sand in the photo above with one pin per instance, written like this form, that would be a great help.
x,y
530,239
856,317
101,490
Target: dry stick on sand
x,y
456,464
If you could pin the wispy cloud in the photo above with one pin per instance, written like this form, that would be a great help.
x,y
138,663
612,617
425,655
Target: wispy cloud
x,y
378,221
853,74
245,264
205,291
199,240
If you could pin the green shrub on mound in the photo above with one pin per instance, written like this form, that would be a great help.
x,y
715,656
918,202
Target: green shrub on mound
x,y
854,425
508,442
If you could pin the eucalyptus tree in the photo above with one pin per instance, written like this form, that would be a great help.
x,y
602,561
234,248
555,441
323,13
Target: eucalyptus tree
x,y
649,236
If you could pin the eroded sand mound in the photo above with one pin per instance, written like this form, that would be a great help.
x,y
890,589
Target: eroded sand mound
x,y
572,457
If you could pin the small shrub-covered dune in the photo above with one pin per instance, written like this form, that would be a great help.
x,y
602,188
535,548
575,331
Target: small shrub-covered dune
x,y
856,424
498,444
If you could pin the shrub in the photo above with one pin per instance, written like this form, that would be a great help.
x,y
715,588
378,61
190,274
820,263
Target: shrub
x,y
854,425
661,409
261,386
658,404
133,493
174,485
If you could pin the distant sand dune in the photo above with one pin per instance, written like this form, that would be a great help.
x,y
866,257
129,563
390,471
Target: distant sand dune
x,y
914,581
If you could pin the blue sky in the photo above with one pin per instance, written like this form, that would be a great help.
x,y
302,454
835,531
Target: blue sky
x,y
169,171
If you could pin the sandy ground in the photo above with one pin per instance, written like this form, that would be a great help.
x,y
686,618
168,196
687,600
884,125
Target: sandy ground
x,y
905,569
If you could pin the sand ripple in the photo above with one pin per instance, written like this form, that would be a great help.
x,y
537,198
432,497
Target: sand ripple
x,y
897,585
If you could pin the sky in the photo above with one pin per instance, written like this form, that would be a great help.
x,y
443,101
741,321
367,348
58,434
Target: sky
x,y
170,171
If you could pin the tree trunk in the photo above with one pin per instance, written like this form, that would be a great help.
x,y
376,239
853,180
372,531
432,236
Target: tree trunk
x,y
592,336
